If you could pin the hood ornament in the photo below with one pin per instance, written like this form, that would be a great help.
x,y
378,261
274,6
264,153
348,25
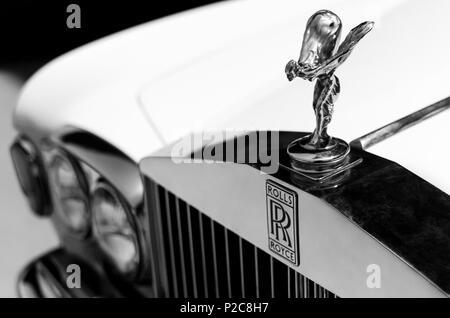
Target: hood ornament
x,y
319,58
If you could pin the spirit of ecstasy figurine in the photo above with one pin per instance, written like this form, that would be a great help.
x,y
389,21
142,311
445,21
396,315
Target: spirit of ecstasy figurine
x,y
319,58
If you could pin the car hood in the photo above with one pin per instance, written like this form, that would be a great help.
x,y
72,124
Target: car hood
x,y
222,67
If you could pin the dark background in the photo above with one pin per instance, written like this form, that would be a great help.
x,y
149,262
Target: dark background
x,y
34,32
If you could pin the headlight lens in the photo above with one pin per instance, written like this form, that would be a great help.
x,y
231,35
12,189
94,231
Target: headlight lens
x,y
70,193
113,229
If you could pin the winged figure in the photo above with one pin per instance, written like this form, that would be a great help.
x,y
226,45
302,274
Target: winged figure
x,y
319,58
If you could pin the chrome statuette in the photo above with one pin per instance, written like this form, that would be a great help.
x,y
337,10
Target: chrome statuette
x,y
319,58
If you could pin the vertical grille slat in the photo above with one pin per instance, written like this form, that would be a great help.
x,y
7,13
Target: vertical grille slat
x,y
204,259
168,238
241,265
203,256
210,272
307,288
227,260
191,250
272,282
255,249
296,285
162,251
289,282
181,248
222,269
175,246
216,270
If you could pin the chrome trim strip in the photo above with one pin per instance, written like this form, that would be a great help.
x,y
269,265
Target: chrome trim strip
x,y
401,124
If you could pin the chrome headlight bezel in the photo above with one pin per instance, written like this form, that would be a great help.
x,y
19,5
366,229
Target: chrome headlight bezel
x,y
104,236
67,197
31,175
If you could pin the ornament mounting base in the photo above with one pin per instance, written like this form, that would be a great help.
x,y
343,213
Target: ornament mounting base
x,y
318,161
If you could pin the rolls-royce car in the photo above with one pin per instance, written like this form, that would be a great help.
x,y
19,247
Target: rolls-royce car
x,y
187,157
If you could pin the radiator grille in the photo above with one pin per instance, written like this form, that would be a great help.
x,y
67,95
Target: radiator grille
x,y
204,259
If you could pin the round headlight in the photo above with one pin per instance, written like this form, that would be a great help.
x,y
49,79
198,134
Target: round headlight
x,y
70,193
114,229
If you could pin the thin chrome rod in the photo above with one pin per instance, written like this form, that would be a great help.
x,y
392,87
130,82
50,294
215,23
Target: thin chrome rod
x,y
401,124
